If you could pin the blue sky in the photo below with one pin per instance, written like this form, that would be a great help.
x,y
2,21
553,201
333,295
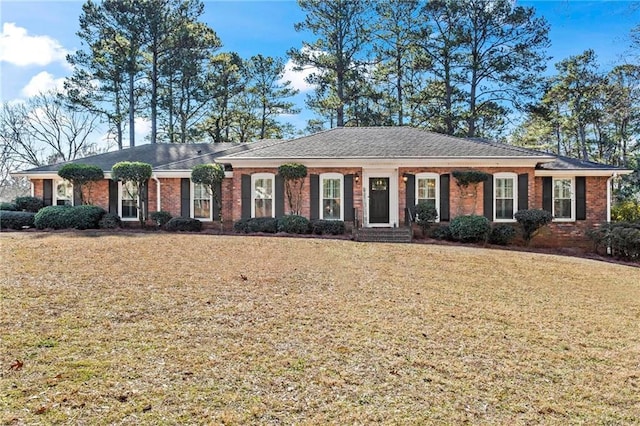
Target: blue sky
x,y
36,35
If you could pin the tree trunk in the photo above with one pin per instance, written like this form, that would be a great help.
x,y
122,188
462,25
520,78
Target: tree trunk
x,y
132,102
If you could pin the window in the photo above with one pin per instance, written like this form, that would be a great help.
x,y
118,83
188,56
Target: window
x,y
202,199
331,201
563,199
262,195
505,196
64,193
129,200
427,190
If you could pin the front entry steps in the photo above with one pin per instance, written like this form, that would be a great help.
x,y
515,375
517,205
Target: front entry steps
x,y
384,235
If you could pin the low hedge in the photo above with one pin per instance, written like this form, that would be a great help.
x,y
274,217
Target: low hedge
x,y
267,225
16,220
623,238
160,218
110,221
327,227
29,204
68,217
293,224
184,224
502,234
531,221
441,232
470,229
8,207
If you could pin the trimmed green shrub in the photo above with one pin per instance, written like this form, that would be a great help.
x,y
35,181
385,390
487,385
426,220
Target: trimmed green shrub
x,y
29,204
465,178
327,227
68,217
627,211
470,228
502,234
293,224
160,218
267,225
442,232
531,221
185,224
110,221
623,238
81,175
424,215
10,219
9,207
293,175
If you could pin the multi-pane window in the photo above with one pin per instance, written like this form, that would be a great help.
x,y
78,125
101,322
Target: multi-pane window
x,y
427,191
64,193
129,203
563,198
262,194
201,201
331,202
505,196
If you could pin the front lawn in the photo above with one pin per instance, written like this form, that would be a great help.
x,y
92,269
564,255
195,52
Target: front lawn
x,y
204,329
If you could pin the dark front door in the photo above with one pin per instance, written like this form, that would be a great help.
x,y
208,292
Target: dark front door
x,y
379,200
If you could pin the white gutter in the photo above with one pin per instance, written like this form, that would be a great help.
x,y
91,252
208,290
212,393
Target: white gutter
x,y
158,197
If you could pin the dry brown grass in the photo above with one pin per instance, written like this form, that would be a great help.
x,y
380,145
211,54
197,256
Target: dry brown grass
x,y
162,329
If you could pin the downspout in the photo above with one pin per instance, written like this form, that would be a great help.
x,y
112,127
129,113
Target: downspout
x,y
154,177
609,181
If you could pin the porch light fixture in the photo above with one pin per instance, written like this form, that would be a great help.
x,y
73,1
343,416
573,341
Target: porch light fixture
x,y
405,177
357,177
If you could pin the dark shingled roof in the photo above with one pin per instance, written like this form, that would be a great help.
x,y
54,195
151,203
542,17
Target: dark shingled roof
x,y
384,142
567,163
160,156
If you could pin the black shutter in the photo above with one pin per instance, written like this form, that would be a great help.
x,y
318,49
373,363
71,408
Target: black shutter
x,y
113,196
218,201
77,195
314,194
444,197
410,197
547,194
348,198
185,197
488,198
47,192
279,196
145,200
581,198
245,196
523,191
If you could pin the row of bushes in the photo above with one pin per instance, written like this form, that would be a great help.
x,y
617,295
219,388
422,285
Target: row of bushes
x,y
474,229
291,224
23,204
622,239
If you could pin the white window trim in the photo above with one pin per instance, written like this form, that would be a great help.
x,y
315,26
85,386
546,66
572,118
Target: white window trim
x,y
514,177
127,219
573,199
55,191
255,177
435,176
192,208
321,191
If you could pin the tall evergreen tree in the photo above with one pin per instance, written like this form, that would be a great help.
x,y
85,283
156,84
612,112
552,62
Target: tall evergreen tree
x,y
338,54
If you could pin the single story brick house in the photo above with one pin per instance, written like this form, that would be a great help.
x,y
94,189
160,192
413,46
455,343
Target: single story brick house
x,y
366,176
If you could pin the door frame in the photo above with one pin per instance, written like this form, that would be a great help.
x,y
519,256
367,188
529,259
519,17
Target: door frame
x,y
392,174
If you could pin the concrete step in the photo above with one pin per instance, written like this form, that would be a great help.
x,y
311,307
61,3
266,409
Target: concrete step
x,y
384,235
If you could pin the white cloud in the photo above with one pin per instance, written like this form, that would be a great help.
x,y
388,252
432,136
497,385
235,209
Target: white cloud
x,y
42,82
297,78
19,48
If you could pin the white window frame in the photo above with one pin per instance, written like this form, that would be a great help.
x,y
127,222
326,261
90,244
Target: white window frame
x,y
192,212
254,178
121,192
573,199
514,178
435,176
322,177
55,191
